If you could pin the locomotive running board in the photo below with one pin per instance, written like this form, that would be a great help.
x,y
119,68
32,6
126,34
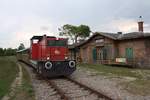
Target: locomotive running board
x,y
33,63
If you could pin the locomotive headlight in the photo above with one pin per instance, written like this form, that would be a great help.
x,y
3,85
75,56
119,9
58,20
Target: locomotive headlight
x,y
72,64
48,65
66,58
48,58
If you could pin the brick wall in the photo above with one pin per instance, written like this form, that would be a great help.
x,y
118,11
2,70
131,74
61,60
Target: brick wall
x,y
140,57
147,47
85,51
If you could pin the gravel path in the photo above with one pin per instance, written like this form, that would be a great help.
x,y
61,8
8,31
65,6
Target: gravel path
x,y
16,83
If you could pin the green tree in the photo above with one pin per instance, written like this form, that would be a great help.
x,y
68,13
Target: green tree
x,y
4,50
1,52
21,46
75,32
10,52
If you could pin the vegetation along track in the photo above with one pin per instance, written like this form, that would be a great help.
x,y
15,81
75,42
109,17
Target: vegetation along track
x,y
69,89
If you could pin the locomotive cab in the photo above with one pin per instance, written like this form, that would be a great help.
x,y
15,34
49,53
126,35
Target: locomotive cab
x,y
57,49
49,55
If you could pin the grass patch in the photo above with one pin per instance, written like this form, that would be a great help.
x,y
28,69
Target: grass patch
x,y
138,87
25,92
27,85
109,70
141,77
8,72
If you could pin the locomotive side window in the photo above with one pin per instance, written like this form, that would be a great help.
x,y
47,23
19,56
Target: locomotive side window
x,y
56,42
51,42
35,41
60,43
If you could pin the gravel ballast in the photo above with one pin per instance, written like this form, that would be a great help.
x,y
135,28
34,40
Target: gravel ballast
x,y
104,84
43,91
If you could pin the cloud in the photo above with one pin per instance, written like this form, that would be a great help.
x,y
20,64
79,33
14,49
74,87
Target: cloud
x,y
15,31
122,25
21,19
33,26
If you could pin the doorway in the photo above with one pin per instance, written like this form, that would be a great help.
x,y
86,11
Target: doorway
x,y
94,53
129,53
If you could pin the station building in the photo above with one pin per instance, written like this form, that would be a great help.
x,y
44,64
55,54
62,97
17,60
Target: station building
x,y
132,49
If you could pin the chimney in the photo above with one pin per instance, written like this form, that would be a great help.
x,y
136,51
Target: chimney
x,y
140,24
120,33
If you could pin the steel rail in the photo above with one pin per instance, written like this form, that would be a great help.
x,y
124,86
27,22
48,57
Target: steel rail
x,y
100,95
59,91
52,84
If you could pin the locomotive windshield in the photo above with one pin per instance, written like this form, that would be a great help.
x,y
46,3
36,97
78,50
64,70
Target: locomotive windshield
x,y
56,42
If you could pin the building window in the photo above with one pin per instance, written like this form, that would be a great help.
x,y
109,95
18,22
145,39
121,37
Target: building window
x,y
94,53
99,40
105,53
85,54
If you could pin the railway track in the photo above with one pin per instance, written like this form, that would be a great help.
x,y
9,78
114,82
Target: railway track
x,y
69,89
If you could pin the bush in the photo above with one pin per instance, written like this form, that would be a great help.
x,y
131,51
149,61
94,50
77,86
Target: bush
x,y
7,52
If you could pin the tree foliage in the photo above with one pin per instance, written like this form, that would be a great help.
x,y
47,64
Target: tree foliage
x,y
21,46
74,32
10,51
1,52
7,52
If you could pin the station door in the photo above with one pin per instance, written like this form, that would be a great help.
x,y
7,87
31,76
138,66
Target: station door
x,y
129,53
94,55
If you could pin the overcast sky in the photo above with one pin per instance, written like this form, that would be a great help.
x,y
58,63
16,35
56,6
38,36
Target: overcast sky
x,y
21,19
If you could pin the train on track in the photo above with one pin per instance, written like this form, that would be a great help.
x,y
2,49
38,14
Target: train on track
x,y
49,56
